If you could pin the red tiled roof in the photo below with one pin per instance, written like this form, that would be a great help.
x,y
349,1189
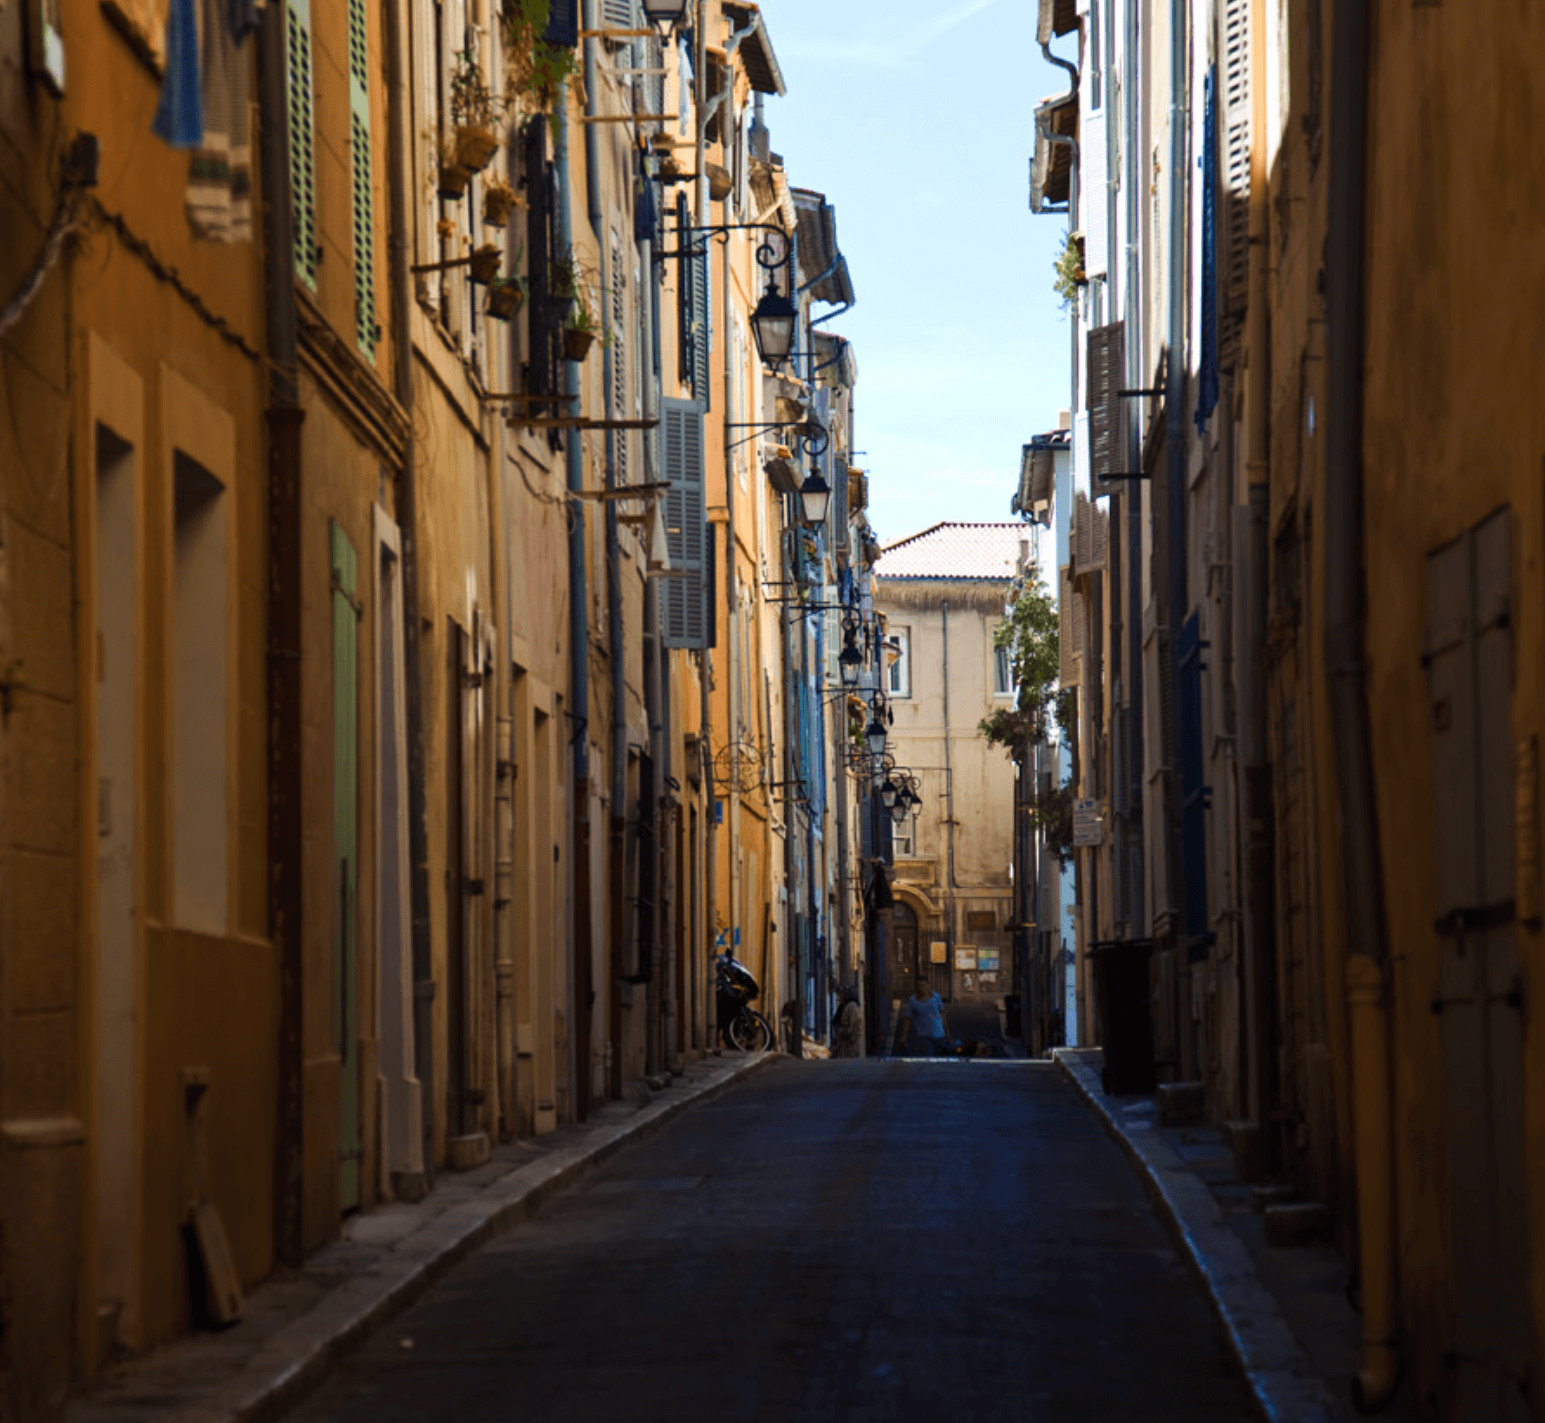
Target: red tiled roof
x,y
986,551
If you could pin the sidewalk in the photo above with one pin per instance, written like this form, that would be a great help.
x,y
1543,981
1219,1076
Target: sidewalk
x,y
1283,1309
298,1322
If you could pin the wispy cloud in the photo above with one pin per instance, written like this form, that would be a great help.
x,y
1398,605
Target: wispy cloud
x,y
891,48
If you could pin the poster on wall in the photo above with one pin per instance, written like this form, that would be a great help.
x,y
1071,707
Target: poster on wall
x,y
965,957
938,953
1088,826
987,960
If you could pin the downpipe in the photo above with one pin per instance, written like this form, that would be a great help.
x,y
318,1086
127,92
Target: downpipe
x,y
1367,985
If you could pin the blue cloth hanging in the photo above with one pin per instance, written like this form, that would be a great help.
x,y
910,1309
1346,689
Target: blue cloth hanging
x,y
179,116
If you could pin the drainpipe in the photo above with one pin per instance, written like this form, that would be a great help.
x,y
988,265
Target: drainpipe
x,y
705,658
1175,440
1251,518
579,671
286,771
1367,983
622,930
400,160
949,791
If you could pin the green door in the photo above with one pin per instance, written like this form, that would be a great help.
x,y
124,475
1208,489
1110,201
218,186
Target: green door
x,y
346,611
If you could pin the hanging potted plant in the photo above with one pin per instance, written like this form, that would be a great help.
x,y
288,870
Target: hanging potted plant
x,y
719,181
579,333
454,176
475,113
505,295
484,264
499,200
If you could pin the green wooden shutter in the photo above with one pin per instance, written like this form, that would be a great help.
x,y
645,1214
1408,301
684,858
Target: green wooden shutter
x,y
684,614
303,199
345,862
367,330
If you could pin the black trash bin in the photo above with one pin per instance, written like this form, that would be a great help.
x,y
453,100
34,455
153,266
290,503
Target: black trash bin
x,y
1122,1001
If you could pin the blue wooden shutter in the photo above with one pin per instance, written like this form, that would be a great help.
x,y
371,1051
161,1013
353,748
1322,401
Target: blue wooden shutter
x,y
303,201
367,331
684,610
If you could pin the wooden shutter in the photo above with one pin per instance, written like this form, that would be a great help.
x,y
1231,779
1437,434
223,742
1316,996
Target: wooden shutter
x,y
1481,992
1107,358
541,327
1067,648
684,608
619,354
693,307
297,76
367,330
1236,152
619,15
562,24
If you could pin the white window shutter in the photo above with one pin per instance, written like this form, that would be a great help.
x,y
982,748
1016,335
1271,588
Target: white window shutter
x,y
1234,220
298,81
1092,195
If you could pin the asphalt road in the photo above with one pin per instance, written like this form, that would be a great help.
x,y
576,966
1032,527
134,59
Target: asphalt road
x,y
956,1242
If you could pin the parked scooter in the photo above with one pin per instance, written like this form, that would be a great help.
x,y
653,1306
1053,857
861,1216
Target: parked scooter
x,y
740,1025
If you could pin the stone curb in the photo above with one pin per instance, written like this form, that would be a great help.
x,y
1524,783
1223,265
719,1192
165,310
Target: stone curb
x,y
298,1357
1283,1385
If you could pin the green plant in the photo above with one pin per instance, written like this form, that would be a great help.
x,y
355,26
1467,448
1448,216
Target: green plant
x,y
472,104
1030,634
1068,270
534,69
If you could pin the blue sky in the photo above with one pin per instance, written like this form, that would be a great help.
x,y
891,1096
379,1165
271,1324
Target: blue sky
x,y
916,119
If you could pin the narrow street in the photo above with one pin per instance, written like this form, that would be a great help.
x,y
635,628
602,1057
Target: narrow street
x,y
834,1240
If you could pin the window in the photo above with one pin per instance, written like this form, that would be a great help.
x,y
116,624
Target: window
x,y
898,662
199,700
901,842
1002,673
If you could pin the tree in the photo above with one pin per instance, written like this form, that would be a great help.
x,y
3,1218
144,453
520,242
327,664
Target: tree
x,y
1030,634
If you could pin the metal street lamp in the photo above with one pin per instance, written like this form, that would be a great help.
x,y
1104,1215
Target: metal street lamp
x,y
670,12
816,495
772,326
874,734
900,811
850,663
888,793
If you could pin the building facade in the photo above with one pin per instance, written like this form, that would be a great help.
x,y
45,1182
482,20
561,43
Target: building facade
x,y
418,643
1307,709
942,595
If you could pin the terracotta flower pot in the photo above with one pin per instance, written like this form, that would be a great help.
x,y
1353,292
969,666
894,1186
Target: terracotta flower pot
x,y
504,300
576,343
498,203
453,179
719,181
485,263
475,146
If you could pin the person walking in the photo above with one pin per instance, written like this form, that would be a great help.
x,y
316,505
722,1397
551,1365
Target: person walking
x,y
922,1023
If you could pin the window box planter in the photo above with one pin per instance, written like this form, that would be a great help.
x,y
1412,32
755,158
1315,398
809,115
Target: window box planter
x,y
577,342
719,181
